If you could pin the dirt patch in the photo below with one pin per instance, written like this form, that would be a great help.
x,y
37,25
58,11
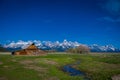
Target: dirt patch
x,y
36,68
3,78
46,61
111,66
6,66
1,63
29,64
52,78
14,60
26,62
50,62
106,66
116,77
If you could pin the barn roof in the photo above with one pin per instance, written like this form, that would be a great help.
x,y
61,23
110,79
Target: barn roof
x,y
32,46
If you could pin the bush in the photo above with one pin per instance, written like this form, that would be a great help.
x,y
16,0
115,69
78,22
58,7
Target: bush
x,y
80,49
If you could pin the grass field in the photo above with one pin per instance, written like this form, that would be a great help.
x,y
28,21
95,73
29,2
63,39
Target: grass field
x,y
96,66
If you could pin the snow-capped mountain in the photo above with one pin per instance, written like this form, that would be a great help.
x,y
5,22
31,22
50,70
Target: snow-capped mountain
x,y
106,48
60,46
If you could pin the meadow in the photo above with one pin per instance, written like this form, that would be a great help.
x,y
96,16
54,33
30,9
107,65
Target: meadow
x,y
97,66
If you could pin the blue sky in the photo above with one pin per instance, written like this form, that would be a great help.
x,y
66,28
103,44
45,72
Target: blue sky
x,y
85,21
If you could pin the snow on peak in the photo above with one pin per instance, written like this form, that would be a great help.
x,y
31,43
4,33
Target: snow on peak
x,y
19,44
57,45
38,43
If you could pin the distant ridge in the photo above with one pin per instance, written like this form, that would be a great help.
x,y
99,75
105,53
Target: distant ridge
x,y
2,49
59,46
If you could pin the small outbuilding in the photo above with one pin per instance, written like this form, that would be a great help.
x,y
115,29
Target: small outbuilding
x,y
30,50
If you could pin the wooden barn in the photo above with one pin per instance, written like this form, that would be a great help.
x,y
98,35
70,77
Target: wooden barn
x,y
30,50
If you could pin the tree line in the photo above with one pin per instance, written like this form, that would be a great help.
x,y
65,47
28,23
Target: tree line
x,y
82,49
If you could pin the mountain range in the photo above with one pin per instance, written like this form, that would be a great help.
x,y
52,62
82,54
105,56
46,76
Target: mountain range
x,y
57,45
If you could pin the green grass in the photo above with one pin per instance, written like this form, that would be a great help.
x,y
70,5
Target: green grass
x,y
96,66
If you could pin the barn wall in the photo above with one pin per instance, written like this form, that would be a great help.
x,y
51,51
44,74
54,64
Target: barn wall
x,y
30,52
